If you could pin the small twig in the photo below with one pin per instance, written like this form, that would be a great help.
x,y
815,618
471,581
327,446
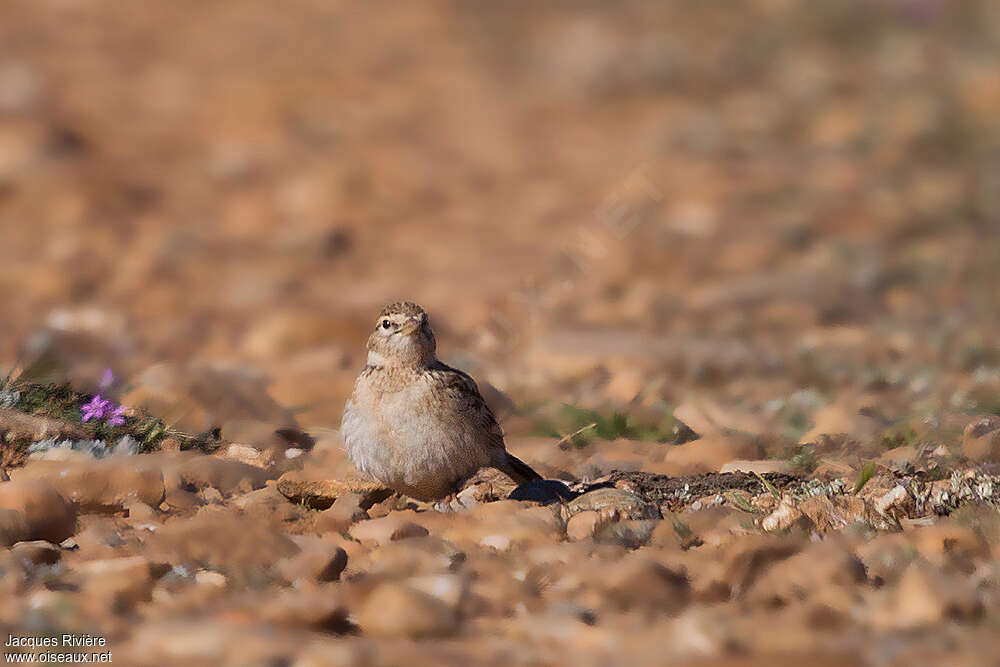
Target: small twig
x,y
768,486
567,438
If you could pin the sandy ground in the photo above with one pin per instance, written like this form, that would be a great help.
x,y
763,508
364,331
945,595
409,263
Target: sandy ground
x,y
753,236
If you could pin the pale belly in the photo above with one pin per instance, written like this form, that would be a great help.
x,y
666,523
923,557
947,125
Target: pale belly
x,y
408,447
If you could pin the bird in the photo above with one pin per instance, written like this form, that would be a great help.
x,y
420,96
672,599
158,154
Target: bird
x,y
415,424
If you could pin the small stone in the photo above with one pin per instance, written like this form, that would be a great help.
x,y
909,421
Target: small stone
x,y
486,485
315,564
268,502
981,439
35,510
121,583
811,573
398,610
386,529
749,558
637,582
227,476
181,500
785,517
247,455
345,511
582,525
895,504
310,608
142,513
211,496
829,513
613,502
37,552
950,544
210,578
498,542
448,588
414,557
631,533
927,597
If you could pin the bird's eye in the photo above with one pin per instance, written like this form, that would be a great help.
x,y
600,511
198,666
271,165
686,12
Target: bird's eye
x,y
386,324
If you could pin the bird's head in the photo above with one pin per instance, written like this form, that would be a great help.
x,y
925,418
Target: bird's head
x,y
402,337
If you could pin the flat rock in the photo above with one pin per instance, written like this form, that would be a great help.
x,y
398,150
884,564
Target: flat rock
x,y
34,510
309,487
613,503
106,485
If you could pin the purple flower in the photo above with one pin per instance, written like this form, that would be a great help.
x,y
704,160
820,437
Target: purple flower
x,y
107,379
95,409
117,416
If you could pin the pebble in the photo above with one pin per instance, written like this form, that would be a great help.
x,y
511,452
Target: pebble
x,y
399,610
34,510
386,529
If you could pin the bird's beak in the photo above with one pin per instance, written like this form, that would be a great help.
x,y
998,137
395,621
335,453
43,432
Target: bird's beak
x,y
410,327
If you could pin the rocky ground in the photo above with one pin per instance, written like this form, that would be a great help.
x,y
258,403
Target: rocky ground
x,y
727,270
286,555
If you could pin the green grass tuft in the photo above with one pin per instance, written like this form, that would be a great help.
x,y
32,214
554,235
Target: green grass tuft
x,y
867,472
581,426
802,458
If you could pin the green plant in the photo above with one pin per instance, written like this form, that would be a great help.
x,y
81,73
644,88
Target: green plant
x,y
867,472
578,427
802,458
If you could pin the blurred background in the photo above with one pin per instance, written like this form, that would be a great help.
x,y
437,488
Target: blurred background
x,y
647,220
590,200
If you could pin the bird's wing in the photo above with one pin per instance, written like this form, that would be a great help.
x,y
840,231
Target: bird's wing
x,y
462,394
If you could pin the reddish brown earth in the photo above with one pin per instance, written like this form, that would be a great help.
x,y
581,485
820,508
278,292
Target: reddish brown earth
x,y
741,241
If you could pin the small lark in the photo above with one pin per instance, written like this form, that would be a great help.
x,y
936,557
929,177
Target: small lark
x,y
416,425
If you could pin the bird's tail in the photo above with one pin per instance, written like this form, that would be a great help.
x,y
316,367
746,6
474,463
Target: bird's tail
x,y
520,471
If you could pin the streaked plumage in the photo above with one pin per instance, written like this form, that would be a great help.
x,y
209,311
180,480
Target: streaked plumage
x,y
415,424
